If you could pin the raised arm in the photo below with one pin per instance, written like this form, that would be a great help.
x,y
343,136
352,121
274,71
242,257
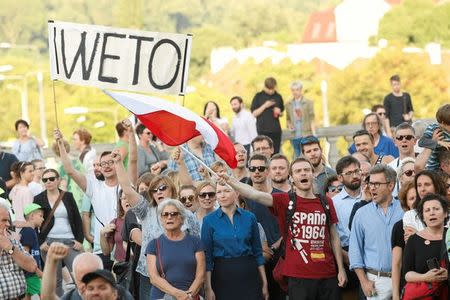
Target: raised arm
x,y
177,157
78,177
247,191
124,181
132,152
56,252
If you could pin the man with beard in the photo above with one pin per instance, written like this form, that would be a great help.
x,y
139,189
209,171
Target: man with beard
x,y
364,144
87,213
279,173
349,174
370,239
313,250
312,151
243,124
258,168
240,172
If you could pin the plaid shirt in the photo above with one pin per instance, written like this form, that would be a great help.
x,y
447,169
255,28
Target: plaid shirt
x,y
433,162
12,278
192,165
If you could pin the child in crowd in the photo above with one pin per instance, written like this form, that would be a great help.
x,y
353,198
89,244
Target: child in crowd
x,y
34,216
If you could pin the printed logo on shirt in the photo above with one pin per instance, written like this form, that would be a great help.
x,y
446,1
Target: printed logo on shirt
x,y
308,235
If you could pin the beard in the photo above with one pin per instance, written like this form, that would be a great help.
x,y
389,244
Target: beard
x,y
99,176
237,110
279,180
353,185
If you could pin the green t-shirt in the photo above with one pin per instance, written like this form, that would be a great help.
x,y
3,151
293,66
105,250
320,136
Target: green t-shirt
x,y
71,184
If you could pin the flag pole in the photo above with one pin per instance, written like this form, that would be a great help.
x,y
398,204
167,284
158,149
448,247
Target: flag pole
x,y
54,103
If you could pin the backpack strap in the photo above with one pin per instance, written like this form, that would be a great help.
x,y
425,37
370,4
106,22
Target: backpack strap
x,y
326,207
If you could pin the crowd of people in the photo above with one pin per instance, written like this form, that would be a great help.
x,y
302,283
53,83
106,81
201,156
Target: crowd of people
x,y
148,221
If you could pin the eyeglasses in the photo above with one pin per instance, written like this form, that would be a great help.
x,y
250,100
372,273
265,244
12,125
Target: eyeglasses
x,y
161,188
407,137
260,169
51,179
333,188
107,163
185,198
356,172
376,184
409,173
170,214
310,139
209,194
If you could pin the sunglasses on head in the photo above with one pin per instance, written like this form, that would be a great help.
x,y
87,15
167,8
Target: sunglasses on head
x,y
51,179
407,137
185,198
170,214
260,169
409,173
333,188
309,140
160,188
209,194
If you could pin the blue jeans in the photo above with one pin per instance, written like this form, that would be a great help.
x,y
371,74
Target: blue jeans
x,y
144,287
297,147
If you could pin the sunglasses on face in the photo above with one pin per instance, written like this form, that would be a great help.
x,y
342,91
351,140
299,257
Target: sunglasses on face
x,y
185,198
406,137
409,173
107,163
161,188
260,169
51,179
333,188
209,194
170,214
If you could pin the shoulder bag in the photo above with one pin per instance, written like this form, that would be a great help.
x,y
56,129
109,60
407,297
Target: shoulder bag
x,y
52,212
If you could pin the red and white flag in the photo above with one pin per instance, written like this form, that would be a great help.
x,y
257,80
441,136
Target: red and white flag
x,y
174,124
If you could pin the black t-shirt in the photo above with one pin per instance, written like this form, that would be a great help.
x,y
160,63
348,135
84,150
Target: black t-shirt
x,y
417,253
266,122
397,106
397,236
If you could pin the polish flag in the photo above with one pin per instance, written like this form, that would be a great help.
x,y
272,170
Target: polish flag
x,y
174,124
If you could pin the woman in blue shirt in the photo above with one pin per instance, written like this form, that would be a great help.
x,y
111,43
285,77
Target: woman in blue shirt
x,y
234,260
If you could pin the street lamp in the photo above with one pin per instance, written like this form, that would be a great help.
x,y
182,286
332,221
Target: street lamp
x,y
82,110
22,90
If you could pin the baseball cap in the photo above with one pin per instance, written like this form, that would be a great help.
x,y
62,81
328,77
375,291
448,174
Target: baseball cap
x,y
105,274
31,208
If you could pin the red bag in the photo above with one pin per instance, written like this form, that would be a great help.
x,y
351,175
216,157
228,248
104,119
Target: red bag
x,y
424,291
278,275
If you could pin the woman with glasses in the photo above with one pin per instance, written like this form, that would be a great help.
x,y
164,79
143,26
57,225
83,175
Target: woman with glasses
x,y
424,260
426,182
187,197
161,187
111,234
405,172
332,186
383,145
20,195
149,151
176,259
407,197
234,260
205,195
62,222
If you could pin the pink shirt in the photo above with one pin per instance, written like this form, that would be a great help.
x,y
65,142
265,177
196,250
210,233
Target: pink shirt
x,y
20,197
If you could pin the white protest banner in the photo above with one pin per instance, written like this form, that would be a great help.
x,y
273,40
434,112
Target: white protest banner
x,y
121,59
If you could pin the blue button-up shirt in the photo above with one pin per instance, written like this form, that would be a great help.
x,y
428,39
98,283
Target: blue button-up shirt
x,y
192,164
224,239
370,238
343,203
